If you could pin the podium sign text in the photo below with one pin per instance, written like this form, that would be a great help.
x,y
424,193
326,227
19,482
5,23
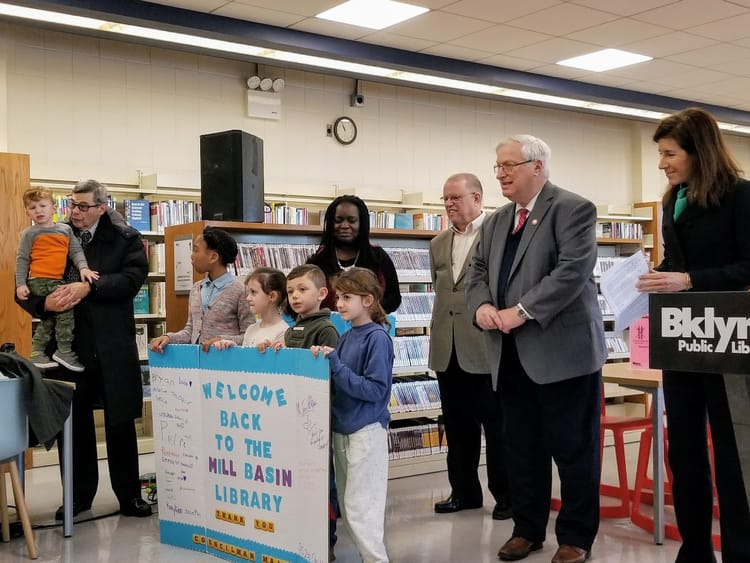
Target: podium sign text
x,y
241,441
703,332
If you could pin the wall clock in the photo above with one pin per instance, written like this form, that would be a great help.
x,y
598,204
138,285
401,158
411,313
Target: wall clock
x,y
345,130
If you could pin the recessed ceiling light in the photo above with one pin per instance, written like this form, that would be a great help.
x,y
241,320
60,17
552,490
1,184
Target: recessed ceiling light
x,y
606,59
373,14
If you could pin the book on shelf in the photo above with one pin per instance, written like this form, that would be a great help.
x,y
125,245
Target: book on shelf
x,y
639,343
141,302
146,380
156,257
429,221
415,307
414,438
141,340
157,298
138,214
620,230
415,393
404,221
615,344
158,328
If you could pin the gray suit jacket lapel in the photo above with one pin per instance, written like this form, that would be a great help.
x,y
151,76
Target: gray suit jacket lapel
x,y
533,223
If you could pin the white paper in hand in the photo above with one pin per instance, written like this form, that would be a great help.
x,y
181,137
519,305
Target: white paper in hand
x,y
618,287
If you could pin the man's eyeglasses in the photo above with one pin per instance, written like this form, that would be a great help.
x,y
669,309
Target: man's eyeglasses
x,y
509,167
455,198
84,207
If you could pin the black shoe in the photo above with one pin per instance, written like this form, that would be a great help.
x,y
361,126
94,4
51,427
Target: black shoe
x,y
502,511
454,504
77,509
136,507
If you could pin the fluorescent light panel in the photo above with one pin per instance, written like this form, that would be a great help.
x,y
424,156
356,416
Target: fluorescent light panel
x,y
372,14
606,59
326,63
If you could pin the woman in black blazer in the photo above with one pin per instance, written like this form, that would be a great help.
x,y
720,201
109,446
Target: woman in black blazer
x,y
706,248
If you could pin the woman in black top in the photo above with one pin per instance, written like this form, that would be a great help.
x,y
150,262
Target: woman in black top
x,y
706,248
346,243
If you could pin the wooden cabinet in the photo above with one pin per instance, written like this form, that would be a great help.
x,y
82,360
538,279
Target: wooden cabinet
x,y
14,180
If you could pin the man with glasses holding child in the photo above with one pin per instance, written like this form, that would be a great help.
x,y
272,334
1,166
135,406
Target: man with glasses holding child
x,y
104,341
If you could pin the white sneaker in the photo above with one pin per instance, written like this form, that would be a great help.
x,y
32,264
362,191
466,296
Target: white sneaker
x,y
68,360
42,361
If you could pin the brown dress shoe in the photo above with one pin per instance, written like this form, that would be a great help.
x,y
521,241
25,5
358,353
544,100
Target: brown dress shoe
x,y
571,554
517,548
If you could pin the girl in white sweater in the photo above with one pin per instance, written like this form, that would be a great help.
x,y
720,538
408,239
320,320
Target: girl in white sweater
x,y
266,294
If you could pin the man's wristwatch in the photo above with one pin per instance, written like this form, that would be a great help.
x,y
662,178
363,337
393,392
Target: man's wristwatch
x,y
521,313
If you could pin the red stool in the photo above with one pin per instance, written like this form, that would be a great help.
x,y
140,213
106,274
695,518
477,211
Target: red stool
x,y
643,489
618,425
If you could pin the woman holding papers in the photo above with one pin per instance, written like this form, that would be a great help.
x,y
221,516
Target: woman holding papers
x,y
706,248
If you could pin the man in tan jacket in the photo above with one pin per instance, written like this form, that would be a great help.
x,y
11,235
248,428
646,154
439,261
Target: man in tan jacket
x,y
458,355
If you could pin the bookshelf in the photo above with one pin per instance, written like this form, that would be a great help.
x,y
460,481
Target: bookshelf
x,y
618,236
286,246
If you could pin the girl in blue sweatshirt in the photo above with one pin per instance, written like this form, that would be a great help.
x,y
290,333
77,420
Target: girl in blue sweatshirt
x,y
361,368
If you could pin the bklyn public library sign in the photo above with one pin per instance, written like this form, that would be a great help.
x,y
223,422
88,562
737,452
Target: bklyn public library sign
x,y
703,332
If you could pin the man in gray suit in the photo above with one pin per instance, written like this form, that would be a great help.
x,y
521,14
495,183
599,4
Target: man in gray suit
x,y
530,287
459,357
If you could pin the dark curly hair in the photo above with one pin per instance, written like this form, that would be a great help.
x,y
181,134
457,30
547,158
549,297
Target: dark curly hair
x,y
325,257
222,243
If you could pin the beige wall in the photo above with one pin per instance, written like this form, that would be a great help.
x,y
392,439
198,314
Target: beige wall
x,y
85,107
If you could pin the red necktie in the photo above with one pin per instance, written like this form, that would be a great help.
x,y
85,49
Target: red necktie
x,y
522,214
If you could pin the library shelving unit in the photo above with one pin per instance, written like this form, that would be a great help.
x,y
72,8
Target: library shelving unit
x,y
286,246
619,236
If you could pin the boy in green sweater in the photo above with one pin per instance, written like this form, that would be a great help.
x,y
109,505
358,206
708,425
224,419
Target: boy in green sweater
x,y
306,289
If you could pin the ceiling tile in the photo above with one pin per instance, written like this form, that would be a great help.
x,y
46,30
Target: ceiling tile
x,y
728,29
623,8
453,52
195,5
513,63
711,55
334,29
646,86
669,44
258,15
553,50
689,13
696,77
618,32
736,87
657,70
305,8
489,9
397,41
439,25
741,67
604,79
499,38
559,71
562,19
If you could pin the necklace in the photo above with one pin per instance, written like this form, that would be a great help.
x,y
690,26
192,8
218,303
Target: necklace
x,y
350,265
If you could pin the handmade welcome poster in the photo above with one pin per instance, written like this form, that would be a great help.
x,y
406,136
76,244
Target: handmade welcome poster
x,y
241,442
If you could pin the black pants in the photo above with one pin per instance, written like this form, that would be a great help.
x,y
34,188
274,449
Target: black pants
x,y
469,404
122,446
690,398
557,421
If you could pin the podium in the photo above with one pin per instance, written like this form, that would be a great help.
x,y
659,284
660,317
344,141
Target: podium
x,y
709,333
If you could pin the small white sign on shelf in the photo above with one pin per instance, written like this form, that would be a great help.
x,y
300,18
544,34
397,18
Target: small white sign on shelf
x,y
183,267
